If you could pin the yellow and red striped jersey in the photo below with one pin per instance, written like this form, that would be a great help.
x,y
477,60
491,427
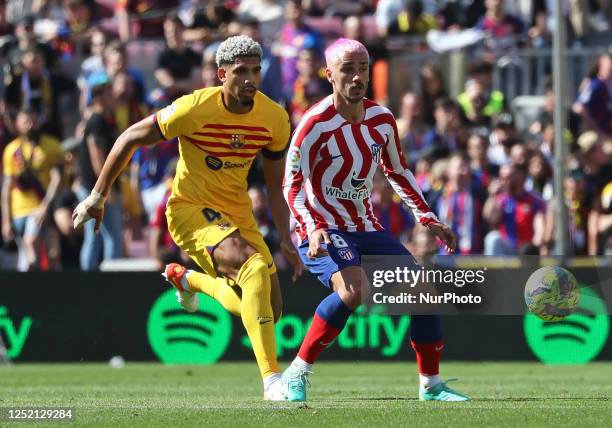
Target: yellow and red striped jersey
x,y
217,147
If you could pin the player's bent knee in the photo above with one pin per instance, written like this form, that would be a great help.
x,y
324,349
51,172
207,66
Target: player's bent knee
x,y
348,283
350,297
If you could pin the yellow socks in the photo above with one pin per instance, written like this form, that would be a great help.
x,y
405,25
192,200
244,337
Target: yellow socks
x,y
217,288
257,317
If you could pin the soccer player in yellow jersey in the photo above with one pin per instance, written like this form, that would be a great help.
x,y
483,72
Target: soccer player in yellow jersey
x,y
220,131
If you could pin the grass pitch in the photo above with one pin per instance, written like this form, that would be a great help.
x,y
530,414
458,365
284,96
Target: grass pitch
x,y
342,394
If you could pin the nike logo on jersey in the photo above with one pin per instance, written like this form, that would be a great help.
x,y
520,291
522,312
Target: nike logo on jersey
x,y
357,183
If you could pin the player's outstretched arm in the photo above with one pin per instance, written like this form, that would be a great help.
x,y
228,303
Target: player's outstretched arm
x,y
142,133
403,182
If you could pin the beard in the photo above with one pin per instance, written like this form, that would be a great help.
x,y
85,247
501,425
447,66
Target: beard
x,y
355,99
247,102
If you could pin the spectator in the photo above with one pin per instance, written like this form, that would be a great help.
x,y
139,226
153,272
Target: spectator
x,y
263,217
142,18
459,204
479,102
546,114
582,233
432,88
94,63
480,166
515,216
596,163
422,245
540,176
177,64
389,209
32,178
147,170
205,21
604,222
271,75
519,155
269,14
38,89
411,127
161,245
594,103
547,144
539,34
129,109
76,30
63,206
209,68
115,62
412,19
295,36
458,14
6,28
99,137
501,26
503,137
25,39
442,139
309,87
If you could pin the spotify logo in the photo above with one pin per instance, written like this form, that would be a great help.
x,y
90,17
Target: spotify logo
x,y
179,337
576,339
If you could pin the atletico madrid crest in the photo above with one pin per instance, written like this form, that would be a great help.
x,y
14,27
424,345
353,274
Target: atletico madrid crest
x,y
237,141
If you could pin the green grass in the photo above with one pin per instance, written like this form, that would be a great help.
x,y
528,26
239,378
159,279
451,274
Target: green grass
x,y
352,395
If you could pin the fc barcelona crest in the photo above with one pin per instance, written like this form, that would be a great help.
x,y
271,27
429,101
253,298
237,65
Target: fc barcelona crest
x,y
237,141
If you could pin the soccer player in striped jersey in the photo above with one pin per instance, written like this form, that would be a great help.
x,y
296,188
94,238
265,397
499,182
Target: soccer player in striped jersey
x,y
331,162
220,131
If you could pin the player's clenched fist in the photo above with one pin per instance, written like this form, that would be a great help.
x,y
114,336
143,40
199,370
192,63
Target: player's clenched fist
x,y
316,238
91,207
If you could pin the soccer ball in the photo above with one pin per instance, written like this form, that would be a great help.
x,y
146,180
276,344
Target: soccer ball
x,y
551,293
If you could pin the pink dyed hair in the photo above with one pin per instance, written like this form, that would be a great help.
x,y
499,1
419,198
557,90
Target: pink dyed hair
x,y
340,46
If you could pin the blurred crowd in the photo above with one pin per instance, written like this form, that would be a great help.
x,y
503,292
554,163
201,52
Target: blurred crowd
x,y
71,85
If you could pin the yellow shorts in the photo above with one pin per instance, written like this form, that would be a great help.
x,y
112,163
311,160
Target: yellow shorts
x,y
197,231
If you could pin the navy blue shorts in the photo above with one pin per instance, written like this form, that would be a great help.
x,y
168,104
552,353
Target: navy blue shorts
x,y
346,250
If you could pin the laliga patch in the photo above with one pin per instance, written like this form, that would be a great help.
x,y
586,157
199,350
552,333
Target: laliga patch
x,y
294,157
346,254
167,112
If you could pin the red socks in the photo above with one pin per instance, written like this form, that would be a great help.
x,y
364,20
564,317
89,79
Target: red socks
x,y
319,335
428,356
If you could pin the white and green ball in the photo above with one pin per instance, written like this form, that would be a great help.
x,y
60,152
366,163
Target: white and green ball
x,y
551,293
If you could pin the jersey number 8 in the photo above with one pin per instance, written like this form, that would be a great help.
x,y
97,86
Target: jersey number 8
x,y
338,241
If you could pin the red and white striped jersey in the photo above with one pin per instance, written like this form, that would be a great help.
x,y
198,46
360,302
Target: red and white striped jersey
x,y
331,165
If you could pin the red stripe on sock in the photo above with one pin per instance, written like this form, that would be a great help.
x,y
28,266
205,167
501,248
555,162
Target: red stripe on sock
x,y
319,336
428,356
